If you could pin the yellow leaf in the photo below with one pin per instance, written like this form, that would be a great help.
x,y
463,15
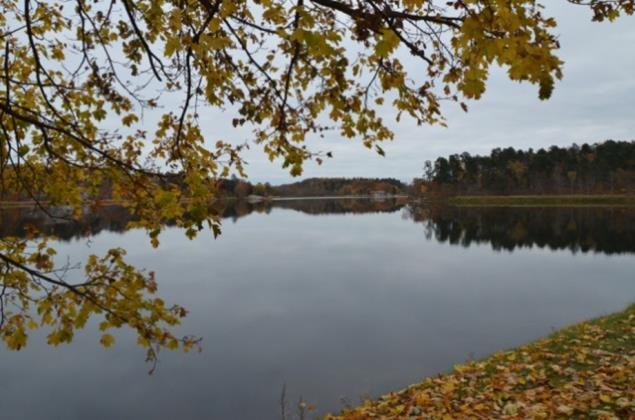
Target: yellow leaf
x,y
107,340
387,43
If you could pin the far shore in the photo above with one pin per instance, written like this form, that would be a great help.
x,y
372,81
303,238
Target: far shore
x,y
253,199
334,197
547,200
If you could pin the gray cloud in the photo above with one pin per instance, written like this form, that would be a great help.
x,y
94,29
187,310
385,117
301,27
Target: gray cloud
x,y
595,101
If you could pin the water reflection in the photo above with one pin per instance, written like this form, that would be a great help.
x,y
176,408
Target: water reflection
x,y
60,223
579,229
605,230
334,298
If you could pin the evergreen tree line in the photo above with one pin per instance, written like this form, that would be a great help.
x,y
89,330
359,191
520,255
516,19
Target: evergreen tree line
x,y
607,167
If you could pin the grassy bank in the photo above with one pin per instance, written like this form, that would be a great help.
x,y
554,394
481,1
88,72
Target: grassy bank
x,y
584,371
543,200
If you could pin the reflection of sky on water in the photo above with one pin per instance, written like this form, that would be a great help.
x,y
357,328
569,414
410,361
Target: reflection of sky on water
x,y
337,306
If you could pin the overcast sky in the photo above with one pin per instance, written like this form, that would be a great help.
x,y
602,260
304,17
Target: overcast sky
x,y
595,101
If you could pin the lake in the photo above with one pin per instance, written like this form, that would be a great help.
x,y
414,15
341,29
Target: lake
x,y
332,300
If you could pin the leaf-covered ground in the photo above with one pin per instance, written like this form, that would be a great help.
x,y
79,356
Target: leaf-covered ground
x,y
584,371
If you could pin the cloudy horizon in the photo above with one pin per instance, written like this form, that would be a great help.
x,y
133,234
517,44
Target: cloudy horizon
x,y
594,102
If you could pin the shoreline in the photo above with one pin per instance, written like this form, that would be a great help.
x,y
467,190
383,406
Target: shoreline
x,y
108,202
587,369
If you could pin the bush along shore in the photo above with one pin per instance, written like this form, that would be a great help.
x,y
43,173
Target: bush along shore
x,y
583,371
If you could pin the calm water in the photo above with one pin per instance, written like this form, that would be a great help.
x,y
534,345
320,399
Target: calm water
x,y
335,299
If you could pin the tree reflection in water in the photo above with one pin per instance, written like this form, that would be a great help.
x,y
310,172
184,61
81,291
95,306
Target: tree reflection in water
x,y
608,230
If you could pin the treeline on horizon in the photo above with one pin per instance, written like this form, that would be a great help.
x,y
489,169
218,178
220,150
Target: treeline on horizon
x,y
315,187
600,168
241,188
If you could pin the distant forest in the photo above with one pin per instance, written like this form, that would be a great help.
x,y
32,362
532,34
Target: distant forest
x,y
600,168
314,187
241,188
